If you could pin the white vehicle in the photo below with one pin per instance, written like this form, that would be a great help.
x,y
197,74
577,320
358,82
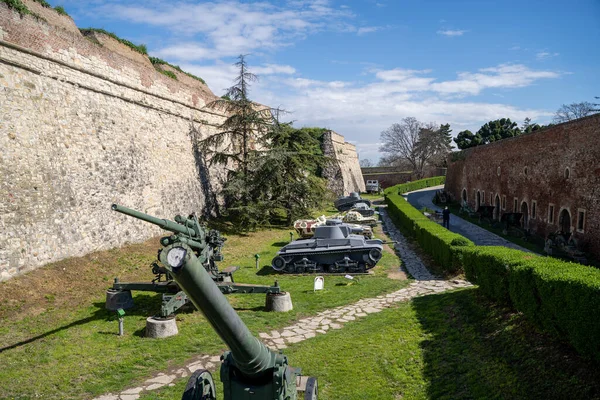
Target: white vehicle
x,y
372,186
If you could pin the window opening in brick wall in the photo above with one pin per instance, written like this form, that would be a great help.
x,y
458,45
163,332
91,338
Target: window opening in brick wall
x,y
525,170
567,173
551,214
504,202
515,205
533,209
498,171
464,195
580,220
483,198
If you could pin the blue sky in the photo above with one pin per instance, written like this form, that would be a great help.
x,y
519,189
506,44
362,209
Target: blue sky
x,y
359,66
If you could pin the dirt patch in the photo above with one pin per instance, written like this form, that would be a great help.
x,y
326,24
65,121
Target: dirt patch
x,y
398,275
76,281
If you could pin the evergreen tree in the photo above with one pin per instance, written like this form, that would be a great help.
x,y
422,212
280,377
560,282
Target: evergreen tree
x,y
271,166
287,173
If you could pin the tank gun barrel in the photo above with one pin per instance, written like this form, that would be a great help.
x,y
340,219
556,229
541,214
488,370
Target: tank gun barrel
x,y
252,358
163,223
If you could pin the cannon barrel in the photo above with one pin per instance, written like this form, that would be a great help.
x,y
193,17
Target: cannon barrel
x,y
252,358
163,223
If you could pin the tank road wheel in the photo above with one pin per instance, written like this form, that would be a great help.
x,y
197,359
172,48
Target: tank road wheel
x,y
305,265
375,255
200,386
310,393
346,264
278,263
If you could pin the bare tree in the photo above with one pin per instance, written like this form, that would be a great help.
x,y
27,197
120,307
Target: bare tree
x,y
569,112
366,163
415,142
400,140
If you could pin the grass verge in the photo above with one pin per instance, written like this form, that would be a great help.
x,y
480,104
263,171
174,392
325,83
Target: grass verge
x,y
54,325
455,345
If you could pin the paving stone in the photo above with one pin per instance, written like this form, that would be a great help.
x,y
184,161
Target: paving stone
x,y
161,378
155,386
129,396
132,391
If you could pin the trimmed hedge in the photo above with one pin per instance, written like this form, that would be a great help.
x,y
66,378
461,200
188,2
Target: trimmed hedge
x,y
561,297
416,185
437,241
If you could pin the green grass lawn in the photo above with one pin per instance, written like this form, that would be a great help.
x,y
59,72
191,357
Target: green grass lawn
x,y
455,345
65,344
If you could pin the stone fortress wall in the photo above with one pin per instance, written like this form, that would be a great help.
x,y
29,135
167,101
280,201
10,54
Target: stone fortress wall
x,y
552,176
83,126
344,174
84,123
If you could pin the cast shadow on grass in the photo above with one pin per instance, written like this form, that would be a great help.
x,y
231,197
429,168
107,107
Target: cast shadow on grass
x,y
267,270
280,244
100,313
478,349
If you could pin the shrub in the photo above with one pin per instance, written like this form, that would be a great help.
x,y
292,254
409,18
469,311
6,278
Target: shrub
x,y
18,6
139,48
561,297
157,61
60,10
441,244
170,74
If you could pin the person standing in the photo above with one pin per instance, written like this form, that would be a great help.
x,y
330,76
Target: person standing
x,y
446,218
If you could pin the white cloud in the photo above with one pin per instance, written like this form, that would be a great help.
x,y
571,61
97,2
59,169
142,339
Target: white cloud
x,y
367,29
542,55
228,28
450,32
274,69
360,111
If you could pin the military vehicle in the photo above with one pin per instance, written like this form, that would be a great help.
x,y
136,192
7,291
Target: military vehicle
x,y
207,245
249,370
372,186
306,227
354,217
363,209
346,203
332,249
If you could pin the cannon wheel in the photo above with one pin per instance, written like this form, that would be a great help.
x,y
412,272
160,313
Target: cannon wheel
x,y
311,389
200,386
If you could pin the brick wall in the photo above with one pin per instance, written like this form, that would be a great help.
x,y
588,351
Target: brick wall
x,y
557,169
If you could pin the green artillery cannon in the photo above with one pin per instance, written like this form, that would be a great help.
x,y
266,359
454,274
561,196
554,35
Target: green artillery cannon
x,y
206,245
249,370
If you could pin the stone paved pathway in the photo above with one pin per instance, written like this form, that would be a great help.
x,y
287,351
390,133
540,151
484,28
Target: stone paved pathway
x,y
321,323
479,236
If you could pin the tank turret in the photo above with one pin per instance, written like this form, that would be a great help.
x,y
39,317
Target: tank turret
x,y
346,203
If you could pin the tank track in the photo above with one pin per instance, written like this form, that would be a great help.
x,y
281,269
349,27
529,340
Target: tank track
x,y
343,265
